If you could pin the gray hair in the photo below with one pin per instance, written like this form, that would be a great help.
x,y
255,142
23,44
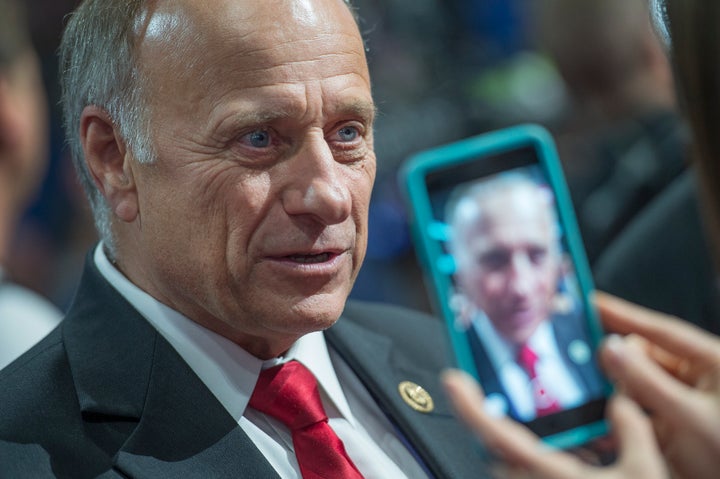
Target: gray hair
x,y
98,67
98,59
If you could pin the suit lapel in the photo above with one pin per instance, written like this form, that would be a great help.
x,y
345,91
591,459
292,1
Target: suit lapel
x,y
568,329
142,402
185,432
444,446
487,375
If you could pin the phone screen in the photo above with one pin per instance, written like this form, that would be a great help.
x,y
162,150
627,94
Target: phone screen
x,y
518,311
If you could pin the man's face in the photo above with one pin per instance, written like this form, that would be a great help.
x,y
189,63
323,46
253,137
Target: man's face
x,y
253,219
510,265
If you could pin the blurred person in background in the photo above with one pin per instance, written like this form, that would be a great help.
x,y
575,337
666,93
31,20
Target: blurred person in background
x,y
624,149
666,418
622,141
56,230
25,317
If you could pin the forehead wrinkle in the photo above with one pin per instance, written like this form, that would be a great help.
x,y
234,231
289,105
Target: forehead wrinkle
x,y
259,68
290,99
258,55
263,73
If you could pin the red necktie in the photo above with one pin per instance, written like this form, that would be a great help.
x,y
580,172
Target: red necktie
x,y
544,402
289,393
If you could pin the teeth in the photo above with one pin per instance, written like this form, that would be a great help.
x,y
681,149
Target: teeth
x,y
310,259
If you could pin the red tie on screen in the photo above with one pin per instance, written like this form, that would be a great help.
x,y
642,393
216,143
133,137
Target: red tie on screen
x,y
544,402
289,393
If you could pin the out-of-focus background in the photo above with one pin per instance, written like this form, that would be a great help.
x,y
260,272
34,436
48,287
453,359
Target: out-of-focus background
x,y
592,72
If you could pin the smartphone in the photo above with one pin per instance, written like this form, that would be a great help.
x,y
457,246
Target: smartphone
x,y
496,235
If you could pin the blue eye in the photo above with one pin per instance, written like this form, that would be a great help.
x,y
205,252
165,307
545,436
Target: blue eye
x,y
259,138
348,133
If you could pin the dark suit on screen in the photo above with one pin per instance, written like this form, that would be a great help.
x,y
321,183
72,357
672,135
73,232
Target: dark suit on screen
x,y
105,395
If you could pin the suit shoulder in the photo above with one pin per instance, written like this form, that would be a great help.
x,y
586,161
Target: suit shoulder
x,y
41,425
48,350
35,390
403,325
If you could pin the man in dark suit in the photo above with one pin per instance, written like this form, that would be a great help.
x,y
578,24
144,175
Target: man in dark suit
x,y
525,327
228,156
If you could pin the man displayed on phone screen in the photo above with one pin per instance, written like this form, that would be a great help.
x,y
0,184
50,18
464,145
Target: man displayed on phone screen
x,y
516,297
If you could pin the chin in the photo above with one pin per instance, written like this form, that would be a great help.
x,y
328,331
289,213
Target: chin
x,y
319,312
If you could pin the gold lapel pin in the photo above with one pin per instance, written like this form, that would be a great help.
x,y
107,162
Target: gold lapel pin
x,y
416,397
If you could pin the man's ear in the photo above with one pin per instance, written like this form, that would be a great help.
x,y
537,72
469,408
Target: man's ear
x,y
109,162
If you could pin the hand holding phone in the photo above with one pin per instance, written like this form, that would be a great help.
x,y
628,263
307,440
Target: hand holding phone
x,y
497,237
640,454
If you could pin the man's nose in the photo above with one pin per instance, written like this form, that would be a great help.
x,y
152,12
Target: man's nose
x,y
316,184
520,277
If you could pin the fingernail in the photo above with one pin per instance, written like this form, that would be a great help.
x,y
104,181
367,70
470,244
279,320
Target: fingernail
x,y
615,344
450,379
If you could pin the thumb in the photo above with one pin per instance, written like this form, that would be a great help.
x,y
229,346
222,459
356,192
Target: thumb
x,y
640,454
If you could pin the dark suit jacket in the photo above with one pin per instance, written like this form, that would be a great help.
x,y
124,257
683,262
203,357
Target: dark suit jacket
x,y
566,328
105,395
664,261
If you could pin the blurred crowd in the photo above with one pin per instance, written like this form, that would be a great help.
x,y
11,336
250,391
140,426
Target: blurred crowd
x,y
593,72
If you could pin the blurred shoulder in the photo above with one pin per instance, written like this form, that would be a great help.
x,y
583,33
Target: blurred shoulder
x,y
25,318
35,381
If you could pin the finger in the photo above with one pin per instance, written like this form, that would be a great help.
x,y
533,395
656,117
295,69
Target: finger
x,y
643,379
679,366
511,441
640,454
674,335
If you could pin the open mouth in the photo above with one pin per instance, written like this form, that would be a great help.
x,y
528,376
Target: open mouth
x,y
310,258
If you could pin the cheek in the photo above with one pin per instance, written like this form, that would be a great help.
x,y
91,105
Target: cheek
x,y
482,288
193,207
224,195
360,188
491,284
248,200
548,280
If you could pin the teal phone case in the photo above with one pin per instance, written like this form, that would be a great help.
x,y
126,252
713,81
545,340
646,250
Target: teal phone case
x,y
429,234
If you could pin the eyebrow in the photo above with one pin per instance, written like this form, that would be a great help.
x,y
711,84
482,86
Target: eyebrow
x,y
271,112
361,108
253,117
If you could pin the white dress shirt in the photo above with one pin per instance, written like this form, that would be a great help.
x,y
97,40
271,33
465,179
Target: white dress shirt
x,y
230,373
552,372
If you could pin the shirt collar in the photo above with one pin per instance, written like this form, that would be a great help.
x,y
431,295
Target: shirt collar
x,y
543,339
498,349
228,371
311,350
501,351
